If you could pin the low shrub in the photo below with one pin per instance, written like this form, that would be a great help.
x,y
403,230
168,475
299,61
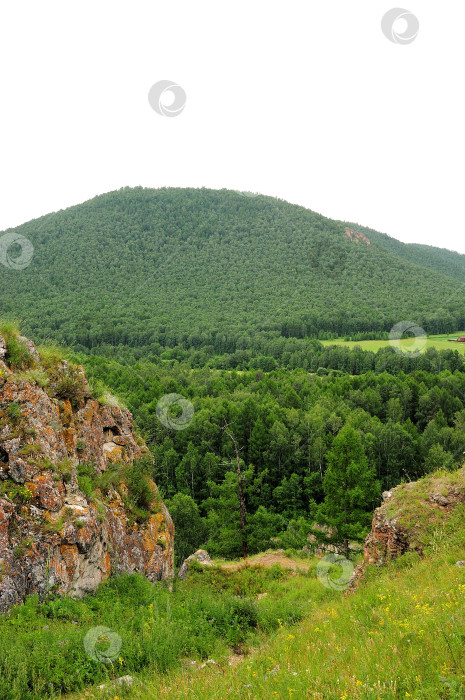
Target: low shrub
x,y
70,384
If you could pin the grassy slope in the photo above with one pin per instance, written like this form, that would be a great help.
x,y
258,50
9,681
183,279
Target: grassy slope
x,y
205,616
400,635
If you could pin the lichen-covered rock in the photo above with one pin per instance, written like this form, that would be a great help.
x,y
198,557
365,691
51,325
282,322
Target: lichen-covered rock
x,y
52,537
408,517
319,540
201,555
2,348
31,348
122,680
3,352
322,540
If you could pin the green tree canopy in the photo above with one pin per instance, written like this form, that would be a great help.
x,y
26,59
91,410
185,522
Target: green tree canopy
x,y
351,489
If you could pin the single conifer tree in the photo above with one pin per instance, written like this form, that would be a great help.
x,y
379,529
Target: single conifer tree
x,y
350,487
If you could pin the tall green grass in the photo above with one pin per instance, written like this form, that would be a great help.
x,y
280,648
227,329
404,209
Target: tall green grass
x,y
42,652
18,356
401,635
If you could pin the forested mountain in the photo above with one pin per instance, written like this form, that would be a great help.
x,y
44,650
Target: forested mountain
x,y
446,262
217,271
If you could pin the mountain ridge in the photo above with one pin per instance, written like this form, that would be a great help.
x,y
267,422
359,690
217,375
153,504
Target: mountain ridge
x,y
180,267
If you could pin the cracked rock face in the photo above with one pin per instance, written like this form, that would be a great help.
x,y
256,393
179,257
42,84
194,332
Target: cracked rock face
x,y
52,537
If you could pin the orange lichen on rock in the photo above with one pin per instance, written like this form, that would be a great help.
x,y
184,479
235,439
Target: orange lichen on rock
x,y
73,547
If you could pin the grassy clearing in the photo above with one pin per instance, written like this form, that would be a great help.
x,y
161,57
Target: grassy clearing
x,y
400,635
42,652
440,342
273,633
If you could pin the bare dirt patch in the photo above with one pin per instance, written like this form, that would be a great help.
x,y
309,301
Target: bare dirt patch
x,y
267,560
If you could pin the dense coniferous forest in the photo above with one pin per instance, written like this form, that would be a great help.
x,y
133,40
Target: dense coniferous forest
x,y
410,421
193,273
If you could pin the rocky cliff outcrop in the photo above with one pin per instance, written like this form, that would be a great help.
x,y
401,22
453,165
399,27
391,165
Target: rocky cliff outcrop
x,y
410,517
54,537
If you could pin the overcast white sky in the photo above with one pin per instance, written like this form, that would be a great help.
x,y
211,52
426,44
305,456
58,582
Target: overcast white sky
x,y
306,100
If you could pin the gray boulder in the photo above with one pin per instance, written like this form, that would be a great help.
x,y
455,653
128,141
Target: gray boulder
x,y
201,555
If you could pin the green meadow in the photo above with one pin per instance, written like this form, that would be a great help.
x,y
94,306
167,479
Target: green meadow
x,y
439,342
